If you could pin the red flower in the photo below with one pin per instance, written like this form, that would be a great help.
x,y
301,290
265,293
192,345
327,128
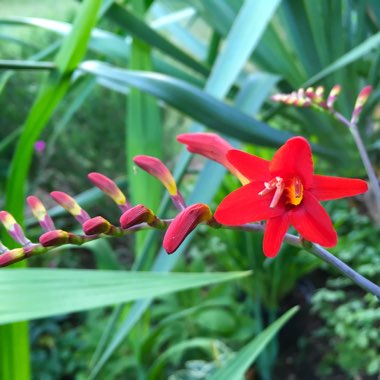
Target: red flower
x,y
285,191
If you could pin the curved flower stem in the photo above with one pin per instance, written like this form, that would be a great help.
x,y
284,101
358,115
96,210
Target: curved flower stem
x,y
363,154
322,254
12,256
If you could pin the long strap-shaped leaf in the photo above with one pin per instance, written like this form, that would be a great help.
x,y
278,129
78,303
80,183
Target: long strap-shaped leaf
x,y
37,290
194,102
235,368
14,347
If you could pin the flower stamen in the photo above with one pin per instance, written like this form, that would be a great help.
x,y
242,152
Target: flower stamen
x,y
276,184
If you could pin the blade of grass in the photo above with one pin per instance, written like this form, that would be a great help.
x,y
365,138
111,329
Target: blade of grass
x,y
14,347
351,56
235,368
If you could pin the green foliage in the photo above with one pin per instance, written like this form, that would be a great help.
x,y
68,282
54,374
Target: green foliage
x,y
351,319
211,62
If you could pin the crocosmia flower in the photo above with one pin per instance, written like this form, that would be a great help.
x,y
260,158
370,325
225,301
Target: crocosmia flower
x,y
284,192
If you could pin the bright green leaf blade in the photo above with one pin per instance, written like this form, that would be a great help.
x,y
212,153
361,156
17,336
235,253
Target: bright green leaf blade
x,y
244,35
235,368
46,292
353,55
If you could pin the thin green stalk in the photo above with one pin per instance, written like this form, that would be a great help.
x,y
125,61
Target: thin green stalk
x,y
364,156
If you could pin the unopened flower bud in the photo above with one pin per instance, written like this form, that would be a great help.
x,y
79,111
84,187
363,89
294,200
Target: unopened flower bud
x,y
110,188
211,146
360,102
54,238
40,213
70,205
13,228
184,223
137,215
95,226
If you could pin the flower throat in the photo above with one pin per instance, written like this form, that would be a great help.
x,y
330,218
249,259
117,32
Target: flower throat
x,y
292,190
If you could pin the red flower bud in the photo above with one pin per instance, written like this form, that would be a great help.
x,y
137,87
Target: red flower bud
x,y
212,147
110,188
184,223
156,168
95,226
70,205
137,215
54,238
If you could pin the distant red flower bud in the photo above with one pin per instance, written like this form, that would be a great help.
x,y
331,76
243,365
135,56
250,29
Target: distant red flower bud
x,y
97,225
360,102
184,223
54,238
137,215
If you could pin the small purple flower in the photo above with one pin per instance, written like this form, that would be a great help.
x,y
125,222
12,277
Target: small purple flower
x,y
39,146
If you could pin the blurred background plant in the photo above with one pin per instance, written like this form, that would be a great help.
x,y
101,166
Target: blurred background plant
x,y
216,63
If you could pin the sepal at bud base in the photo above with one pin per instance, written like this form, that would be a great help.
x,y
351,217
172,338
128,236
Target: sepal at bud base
x,y
97,225
70,205
212,147
137,215
110,188
184,223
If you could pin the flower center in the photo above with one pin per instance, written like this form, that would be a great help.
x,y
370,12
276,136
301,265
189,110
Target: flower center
x,y
293,194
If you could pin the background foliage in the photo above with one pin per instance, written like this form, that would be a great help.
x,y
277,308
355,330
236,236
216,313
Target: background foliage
x,y
131,75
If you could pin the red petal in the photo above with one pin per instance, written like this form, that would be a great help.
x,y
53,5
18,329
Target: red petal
x,y
311,220
275,230
294,159
326,187
245,205
252,167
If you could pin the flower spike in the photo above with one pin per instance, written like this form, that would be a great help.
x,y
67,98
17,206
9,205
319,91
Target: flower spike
x,y
13,228
110,188
40,213
184,223
360,102
212,147
70,205
156,168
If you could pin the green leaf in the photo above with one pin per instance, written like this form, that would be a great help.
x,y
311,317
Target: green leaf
x,y
194,102
145,33
14,347
241,41
351,56
235,368
46,292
